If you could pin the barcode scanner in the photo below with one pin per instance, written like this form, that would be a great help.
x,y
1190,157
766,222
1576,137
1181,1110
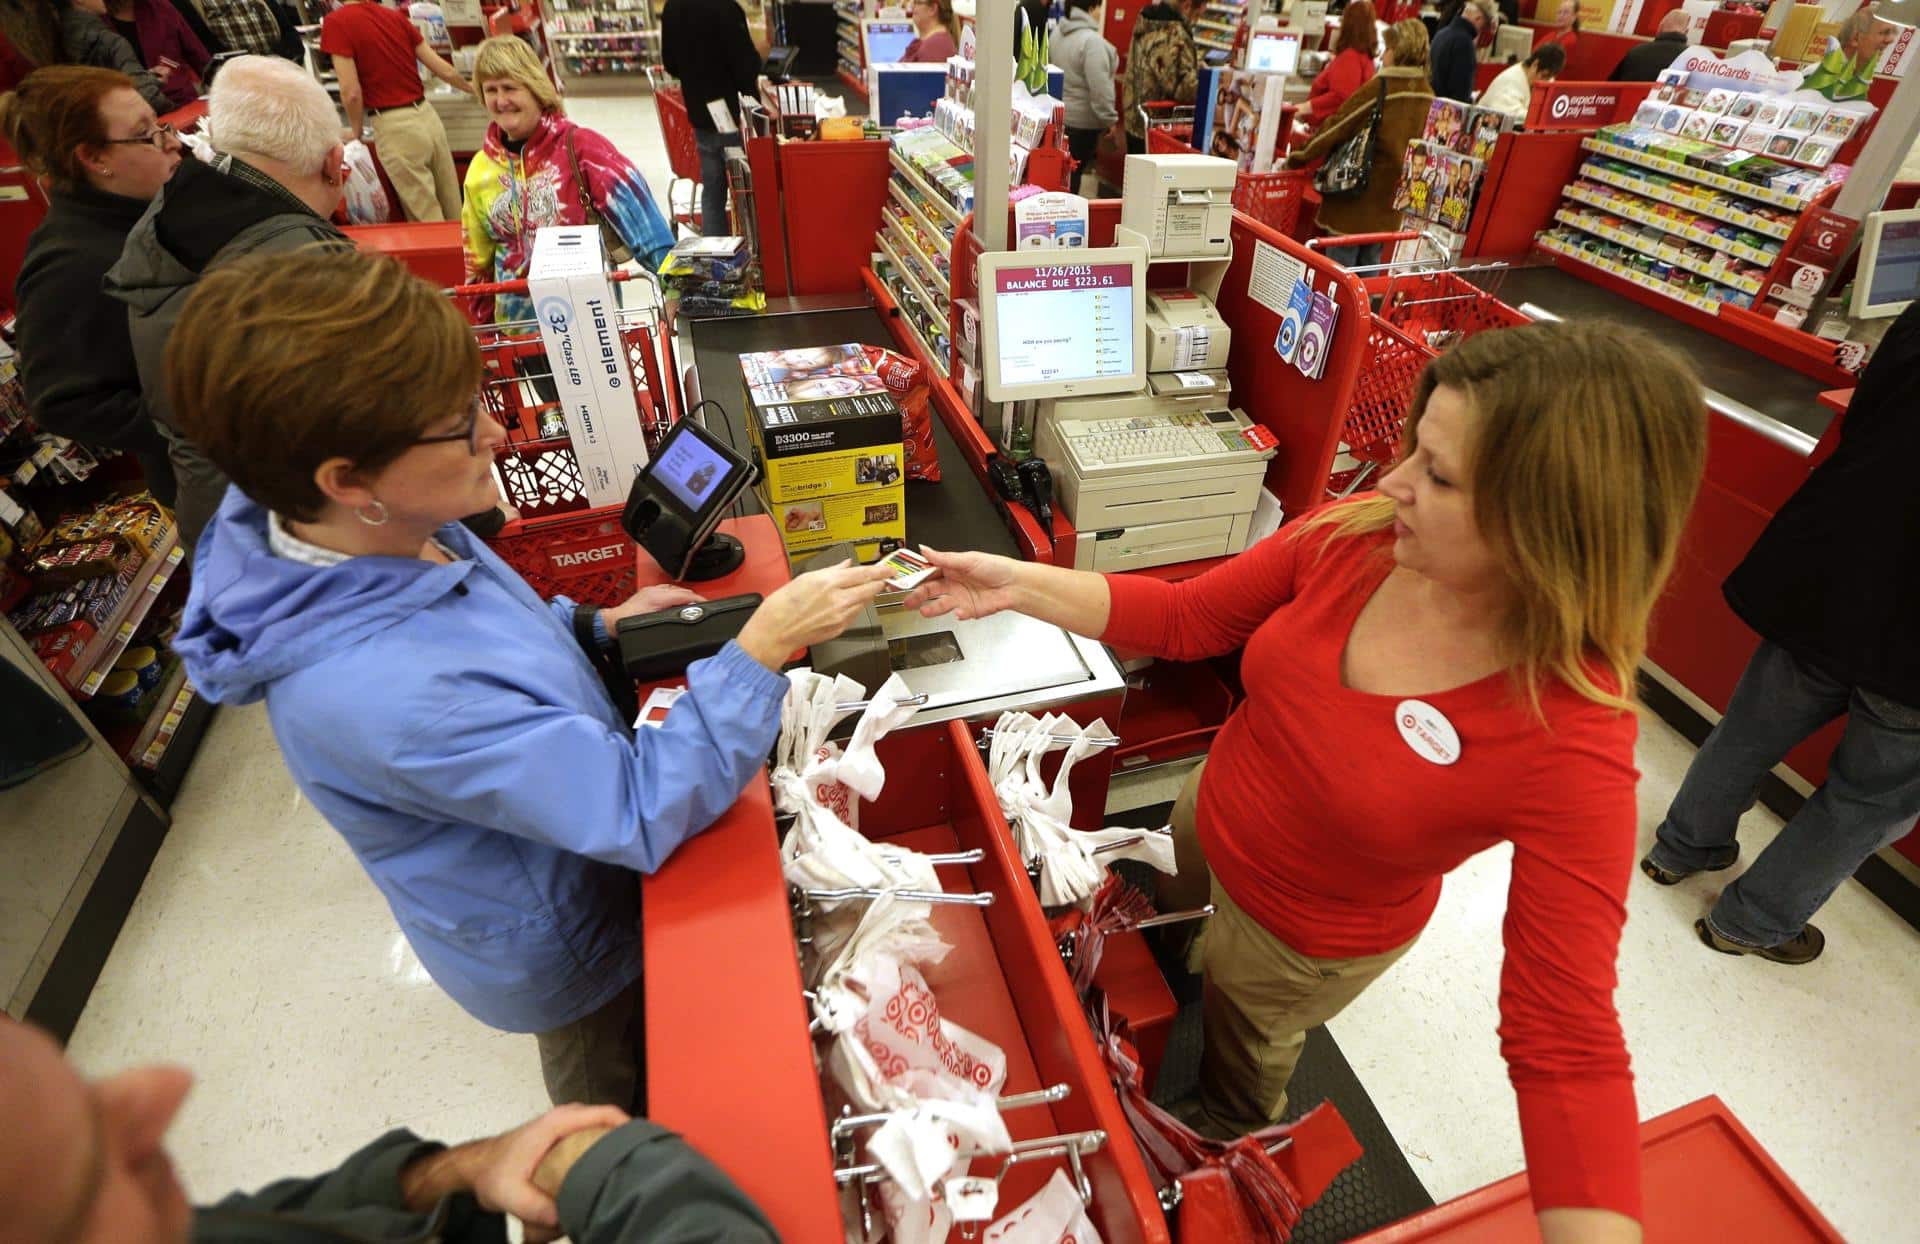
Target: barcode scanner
x,y
1038,483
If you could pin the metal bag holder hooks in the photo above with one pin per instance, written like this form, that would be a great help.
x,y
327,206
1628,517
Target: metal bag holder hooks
x,y
1069,941
1070,1145
844,1127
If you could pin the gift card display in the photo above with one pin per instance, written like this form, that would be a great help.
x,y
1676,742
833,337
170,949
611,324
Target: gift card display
x,y
1769,112
1672,118
1783,146
1818,152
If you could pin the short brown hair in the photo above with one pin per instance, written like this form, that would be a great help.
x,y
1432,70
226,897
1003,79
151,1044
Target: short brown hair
x,y
281,362
53,113
1358,30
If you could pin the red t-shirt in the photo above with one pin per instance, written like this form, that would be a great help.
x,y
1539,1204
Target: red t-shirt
x,y
1326,827
380,42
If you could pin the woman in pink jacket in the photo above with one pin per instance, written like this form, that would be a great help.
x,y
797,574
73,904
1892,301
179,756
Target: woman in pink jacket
x,y
1351,67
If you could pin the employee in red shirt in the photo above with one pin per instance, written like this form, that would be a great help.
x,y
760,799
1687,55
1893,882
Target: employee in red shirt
x,y
1430,671
377,54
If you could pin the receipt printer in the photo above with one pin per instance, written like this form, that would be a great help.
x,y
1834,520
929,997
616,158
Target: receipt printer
x,y
1181,204
1184,332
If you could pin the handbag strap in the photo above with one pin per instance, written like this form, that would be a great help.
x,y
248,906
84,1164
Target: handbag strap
x,y
580,182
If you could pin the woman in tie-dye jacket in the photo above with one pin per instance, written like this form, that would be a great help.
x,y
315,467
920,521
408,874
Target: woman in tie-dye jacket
x,y
524,178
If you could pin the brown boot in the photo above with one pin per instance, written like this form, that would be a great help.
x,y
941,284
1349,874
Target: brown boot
x,y
1803,947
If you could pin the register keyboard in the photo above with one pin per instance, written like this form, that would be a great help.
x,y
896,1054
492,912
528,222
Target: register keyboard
x,y
1144,442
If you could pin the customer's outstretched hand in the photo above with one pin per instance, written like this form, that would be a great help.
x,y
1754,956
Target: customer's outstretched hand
x,y
811,609
966,585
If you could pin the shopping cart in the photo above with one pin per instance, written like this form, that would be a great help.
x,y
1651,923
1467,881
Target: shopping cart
x,y
1275,198
560,543
683,150
1424,307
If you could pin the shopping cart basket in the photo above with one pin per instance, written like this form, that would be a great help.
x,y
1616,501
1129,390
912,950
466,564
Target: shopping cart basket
x,y
1168,127
1275,198
1424,308
559,542
683,150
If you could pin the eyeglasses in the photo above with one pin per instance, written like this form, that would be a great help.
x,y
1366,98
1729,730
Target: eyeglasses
x,y
470,434
155,137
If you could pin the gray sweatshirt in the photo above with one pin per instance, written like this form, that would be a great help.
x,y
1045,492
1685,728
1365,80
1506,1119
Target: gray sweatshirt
x,y
1090,63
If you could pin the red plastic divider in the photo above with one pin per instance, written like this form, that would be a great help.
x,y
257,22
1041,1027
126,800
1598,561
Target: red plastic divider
x,y
830,206
1521,190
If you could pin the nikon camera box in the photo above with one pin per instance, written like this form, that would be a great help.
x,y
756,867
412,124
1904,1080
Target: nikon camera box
x,y
827,434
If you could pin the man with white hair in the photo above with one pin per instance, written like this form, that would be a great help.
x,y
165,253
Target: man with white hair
x,y
278,176
1452,58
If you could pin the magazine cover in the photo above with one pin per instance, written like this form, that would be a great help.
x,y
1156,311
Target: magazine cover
x,y
1447,124
809,373
1246,118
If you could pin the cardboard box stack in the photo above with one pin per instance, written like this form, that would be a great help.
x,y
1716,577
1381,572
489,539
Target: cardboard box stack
x,y
827,435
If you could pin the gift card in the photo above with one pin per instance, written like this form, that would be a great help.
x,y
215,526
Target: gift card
x,y
1745,104
1716,100
1803,119
908,569
1726,133
659,701
1839,125
1754,138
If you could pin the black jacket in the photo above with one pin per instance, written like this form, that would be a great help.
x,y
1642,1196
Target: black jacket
x,y
76,357
639,1183
90,41
1645,63
1451,61
1835,577
705,44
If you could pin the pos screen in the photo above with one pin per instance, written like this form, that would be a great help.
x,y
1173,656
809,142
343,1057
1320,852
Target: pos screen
x,y
694,470
1889,272
1067,327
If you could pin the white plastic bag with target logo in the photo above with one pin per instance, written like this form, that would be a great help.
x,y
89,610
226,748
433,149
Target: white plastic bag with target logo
x,y
1052,1215
366,197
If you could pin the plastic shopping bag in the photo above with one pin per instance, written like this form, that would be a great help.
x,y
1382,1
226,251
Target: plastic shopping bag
x,y
366,197
1052,1215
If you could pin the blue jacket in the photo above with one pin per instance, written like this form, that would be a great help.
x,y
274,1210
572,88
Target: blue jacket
x,y
445,721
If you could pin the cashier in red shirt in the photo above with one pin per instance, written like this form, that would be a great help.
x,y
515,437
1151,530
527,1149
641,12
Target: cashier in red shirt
x,y
377,54
1430,671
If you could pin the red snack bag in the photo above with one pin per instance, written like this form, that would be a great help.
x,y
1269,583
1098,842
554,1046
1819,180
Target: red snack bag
x,y
906,381
59,649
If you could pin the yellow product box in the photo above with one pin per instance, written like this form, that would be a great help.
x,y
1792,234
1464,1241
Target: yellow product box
x,y
865,519
823,423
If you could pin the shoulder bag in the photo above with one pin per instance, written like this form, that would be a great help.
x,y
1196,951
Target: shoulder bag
x,y
617,249
1350,167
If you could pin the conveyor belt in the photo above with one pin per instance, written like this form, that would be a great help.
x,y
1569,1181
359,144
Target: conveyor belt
x,y
952,514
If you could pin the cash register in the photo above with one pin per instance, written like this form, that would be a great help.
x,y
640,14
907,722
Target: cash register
x,y
1148,458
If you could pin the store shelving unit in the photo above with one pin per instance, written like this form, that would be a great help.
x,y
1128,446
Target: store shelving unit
x,y
1673,168
1548,242
597,38
96,660
1220,25
852,53
1608,227
1581,192
1731,214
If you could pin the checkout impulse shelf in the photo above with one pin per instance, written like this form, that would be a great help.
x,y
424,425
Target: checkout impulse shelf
x,y
943,238
1598,226
1626,208
98,658
1673,168
933,197
1658,286
1775,229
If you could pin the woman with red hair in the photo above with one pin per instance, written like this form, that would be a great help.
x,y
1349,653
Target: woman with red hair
x,y
1352,64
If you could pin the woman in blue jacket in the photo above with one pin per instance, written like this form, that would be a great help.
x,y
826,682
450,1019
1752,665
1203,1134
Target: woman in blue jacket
x,y
440,715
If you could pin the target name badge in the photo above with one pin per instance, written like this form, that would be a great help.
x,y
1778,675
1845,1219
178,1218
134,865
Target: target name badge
x,y
1427,731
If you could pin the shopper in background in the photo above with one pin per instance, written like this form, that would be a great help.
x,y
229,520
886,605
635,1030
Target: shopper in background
x,y
1474,632
1649,60
1833,588
1852,55
38,33
440,715
537,168
1089,65
256,26
1511,91
377,53
1453,57
1403,116
1163,63
1351,67
706,44
937,32
162,40
85,1162
1566,26
279,175
103,157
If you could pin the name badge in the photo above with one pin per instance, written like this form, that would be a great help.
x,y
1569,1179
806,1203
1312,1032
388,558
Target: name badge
x,y
1427,731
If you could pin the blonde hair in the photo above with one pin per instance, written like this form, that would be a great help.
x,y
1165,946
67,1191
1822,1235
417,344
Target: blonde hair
x,y
1407,43
1586,447
508,58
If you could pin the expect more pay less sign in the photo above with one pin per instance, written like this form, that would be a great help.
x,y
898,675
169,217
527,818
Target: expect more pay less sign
x,y
1583,105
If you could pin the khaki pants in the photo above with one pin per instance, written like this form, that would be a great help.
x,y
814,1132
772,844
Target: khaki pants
x,y
414,151
1259,996
599,1060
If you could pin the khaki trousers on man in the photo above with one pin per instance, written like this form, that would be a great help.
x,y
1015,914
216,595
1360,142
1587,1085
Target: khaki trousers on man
x,y
1259,996
419,162
599,1059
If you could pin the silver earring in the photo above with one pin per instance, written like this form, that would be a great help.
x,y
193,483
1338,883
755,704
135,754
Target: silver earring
x,y
375,504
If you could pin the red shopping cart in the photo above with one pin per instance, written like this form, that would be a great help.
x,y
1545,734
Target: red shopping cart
x,y
560,543
683,150
1423,309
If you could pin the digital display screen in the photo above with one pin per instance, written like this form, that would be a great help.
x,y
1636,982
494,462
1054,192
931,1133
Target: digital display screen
x,y
690,469
1896,266
1061,323
887,41
1273,53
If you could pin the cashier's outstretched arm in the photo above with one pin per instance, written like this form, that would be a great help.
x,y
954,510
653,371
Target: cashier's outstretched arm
x,y
974,585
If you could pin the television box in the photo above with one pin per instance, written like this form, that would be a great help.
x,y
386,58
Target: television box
x,y
822,422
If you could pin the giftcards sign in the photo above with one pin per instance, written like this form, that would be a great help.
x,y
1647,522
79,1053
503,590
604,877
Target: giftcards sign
x,y
1703,70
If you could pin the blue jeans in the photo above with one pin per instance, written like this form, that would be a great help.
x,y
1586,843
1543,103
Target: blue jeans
x,y
713,180
1871,795
1356,256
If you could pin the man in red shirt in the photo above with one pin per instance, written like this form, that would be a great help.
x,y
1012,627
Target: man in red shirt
x,y
377,53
